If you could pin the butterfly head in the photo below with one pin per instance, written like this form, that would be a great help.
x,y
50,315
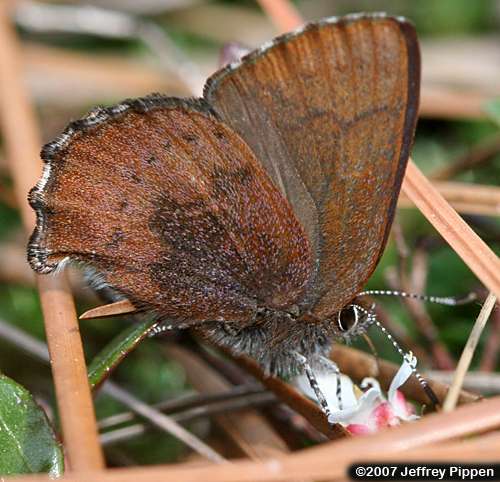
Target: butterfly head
x,y
352,321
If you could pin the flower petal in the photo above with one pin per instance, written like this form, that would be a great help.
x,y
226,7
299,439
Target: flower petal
x,y
327,383
359,429
384,415
405,371
361,413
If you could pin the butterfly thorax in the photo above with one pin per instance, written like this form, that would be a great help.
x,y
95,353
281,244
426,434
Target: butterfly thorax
x,y
274,337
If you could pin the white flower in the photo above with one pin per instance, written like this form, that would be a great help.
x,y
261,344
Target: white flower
x,y
363,411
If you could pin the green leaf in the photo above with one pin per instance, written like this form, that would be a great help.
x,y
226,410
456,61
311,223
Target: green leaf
x,y
492,108
111,355
27,441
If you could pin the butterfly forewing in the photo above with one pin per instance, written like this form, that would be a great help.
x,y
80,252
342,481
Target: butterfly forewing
x,y
330,112
173,211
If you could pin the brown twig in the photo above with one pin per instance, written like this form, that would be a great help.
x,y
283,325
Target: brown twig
x,y
186,415
286,421
465,197
400,279
448,103
22,142
163,421
358,365
289,395
468,352
249,430
39,350
480,382
464,241
489,359
432,438
289,424
481,153
282,13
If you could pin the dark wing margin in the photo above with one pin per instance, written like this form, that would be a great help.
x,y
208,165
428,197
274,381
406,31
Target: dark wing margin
x,y
330,111
171,209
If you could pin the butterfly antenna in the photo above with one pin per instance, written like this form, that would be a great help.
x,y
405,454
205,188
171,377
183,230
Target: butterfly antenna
x,y
442,300
371,319
421,380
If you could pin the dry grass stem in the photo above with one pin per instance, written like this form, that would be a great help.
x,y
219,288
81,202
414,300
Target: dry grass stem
x,y
247,429
465,197
22,144
282,13
358,365
468,352
432,439
163,421
39,350
465,242
477,156
447,103
422,321
477,381
489,359
55,73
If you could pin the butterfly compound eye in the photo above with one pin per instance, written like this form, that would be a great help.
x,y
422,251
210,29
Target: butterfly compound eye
x,y
348,318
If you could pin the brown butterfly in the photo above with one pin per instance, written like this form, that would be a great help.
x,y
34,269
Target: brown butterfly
x,y
256,213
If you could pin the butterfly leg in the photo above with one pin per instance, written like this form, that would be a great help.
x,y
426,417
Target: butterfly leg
x,y
159,329
302,360
231,329
331,366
